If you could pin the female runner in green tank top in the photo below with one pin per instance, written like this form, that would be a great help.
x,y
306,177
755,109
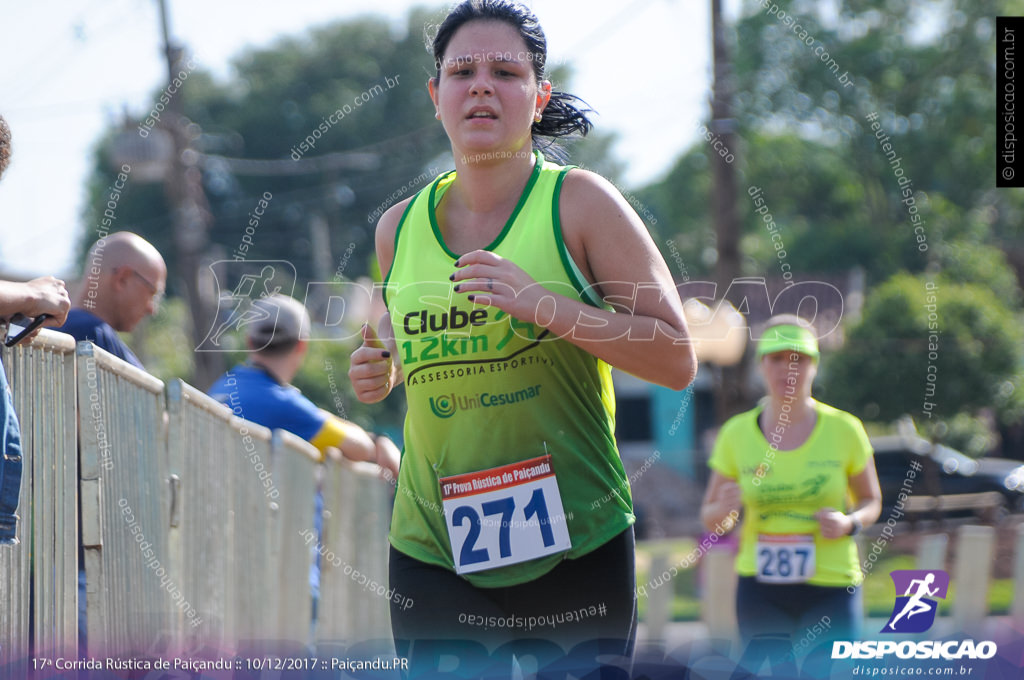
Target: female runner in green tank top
x,y
513,285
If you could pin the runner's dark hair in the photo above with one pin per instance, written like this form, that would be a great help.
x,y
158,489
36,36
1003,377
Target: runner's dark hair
x,y
566,114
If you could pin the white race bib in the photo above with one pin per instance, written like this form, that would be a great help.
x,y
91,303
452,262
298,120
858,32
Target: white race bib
x,y
785,558
505,515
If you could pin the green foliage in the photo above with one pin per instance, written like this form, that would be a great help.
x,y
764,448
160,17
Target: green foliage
x,y
275,98
163,343
359,85
366,74
922,84
323,378
803,136
813,196
916,326
139,207
964,432
816,200
680,204
841,200
982,264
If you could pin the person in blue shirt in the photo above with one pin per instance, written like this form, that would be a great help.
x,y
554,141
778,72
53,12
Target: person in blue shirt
x,y
123,283
260,390
276,328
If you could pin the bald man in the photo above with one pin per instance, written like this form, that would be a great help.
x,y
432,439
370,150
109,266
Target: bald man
x,y
123,283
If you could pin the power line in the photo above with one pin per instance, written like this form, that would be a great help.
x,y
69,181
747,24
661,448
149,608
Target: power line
x,y
365,158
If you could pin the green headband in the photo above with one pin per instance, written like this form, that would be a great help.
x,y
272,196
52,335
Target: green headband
x,y
787,337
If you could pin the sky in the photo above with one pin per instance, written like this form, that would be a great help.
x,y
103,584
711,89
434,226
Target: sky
x,y
73,68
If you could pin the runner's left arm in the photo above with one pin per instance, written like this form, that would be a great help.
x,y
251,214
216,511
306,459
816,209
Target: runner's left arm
x,y
646,335
867,507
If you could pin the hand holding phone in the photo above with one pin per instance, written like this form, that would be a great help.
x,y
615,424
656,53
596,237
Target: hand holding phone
x,y
21,327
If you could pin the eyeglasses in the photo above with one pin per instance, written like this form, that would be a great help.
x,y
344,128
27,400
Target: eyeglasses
x,y
158,295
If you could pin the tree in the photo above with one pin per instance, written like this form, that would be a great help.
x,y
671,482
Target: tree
x,y
806,138
826,92
813,197
347,87
929,347
345,119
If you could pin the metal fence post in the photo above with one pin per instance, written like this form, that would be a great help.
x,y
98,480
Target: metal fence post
x,y
42,380
974,554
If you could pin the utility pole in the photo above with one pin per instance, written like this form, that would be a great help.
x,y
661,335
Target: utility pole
x,y
731,393
192,218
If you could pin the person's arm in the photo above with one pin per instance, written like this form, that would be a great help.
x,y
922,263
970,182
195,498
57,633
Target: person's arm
x,y
388,458
645,336
355,443
375,370
868,506
721,499
45,295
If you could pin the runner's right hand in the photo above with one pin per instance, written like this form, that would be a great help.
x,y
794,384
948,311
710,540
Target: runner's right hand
x,y
372,370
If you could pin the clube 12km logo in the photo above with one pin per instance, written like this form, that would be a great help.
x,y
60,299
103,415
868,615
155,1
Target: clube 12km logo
x,y
914,611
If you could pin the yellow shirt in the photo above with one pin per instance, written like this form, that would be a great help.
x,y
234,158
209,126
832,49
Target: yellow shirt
x,y
782,490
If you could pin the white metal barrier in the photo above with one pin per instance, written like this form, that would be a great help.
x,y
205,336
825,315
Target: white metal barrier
x,y
1017,608
195,523
355,599
203,439
124,500
42,378
294,471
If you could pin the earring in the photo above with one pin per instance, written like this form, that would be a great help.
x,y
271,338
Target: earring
x,y
437,114
538,118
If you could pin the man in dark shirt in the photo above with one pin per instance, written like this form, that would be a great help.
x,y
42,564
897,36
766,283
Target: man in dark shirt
x,y
123,283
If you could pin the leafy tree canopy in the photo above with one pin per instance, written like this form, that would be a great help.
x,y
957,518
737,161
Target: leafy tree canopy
x,y
927,345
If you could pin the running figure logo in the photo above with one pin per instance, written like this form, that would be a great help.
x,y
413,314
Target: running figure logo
x,y
914,611
237,308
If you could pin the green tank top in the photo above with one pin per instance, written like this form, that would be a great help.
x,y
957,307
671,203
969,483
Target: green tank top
x,y
486,390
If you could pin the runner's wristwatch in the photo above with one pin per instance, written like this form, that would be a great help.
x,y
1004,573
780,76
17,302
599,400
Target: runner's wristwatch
x,y
856,525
